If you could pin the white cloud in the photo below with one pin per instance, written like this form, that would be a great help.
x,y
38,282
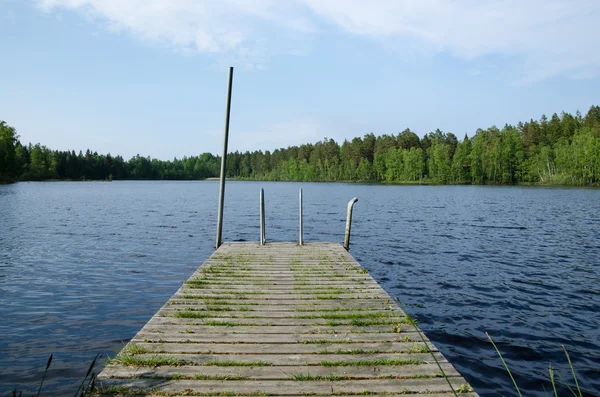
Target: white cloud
x,y
548,37
230,27
545,37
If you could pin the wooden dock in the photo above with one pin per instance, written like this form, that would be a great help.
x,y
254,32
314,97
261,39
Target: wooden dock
x,y
280,320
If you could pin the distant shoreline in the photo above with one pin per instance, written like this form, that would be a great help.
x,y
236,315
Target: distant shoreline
x,y
379,183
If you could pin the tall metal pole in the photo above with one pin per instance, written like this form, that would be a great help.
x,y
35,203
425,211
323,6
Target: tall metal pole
x,y
301,241
349,223
224,161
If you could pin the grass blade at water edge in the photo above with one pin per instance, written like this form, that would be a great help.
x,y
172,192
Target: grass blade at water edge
x,y
86,375
572,371
91,385
551,373
505,366
44,376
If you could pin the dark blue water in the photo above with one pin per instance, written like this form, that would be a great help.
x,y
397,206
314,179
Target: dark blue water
x,y
83,266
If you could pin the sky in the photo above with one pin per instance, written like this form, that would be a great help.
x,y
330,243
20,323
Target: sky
x,y
149,77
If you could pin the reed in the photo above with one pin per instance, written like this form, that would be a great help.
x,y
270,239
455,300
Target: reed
x,y
576,390
85,389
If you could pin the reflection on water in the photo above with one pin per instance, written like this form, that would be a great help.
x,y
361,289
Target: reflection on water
x,y
83,266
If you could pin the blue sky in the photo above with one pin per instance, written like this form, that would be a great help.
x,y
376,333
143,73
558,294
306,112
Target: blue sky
x,y
149,76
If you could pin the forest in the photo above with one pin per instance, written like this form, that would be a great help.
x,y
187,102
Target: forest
x,y
560,150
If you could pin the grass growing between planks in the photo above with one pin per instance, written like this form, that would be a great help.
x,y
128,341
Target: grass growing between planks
x,y
215,300
218,377
359,351
215,323
229,296
309,377
192,314
419,348
349,316
365,323
152,361
415,348
135,355
226,363
217,308
196,282
326,341
317,288
354,351
208,313
403,361
341,309
219,281
328,297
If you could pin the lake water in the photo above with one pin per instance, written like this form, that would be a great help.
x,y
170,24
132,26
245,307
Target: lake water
x,y
83,266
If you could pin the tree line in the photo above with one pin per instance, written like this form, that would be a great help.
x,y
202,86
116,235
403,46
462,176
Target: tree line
x,y
561,149
37,162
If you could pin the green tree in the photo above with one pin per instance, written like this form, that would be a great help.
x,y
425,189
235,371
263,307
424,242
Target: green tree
x,y
592,118
408,139
439,162
394,164
476,157
368,148
414,164
461,172
8,164
512,155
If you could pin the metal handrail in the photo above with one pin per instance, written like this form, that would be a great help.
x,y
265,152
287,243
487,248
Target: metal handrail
x,y
263,240
300,240
349,223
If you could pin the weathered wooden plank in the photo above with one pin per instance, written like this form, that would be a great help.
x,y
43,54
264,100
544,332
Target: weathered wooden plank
x,y
324,306
292,302
281,348
291,280
472,394
287,388
261,293
173,310
370,360
280,275
281,289
289,264
191,325
299,281
221,311
242,297
290,322
279,373
285,266
291,271
263,336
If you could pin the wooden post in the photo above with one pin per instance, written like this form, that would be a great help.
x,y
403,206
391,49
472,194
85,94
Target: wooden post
x,y
349,223
224,162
